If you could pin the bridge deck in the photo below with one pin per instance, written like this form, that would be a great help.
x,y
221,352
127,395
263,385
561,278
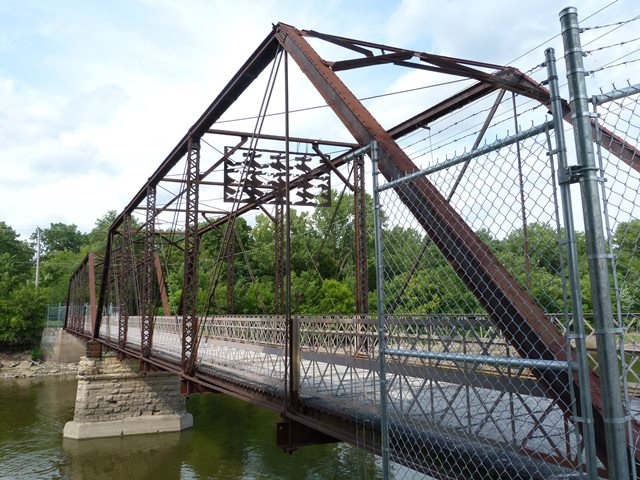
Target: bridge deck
x,y
441,403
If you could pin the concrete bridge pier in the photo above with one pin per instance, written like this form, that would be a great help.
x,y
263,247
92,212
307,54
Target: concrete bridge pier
x,y
114,398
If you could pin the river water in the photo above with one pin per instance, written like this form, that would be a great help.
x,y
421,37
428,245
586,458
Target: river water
x,y
231,439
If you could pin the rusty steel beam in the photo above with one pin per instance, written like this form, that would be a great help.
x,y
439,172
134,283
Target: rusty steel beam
x,y
364,47
360,237
161,285
189,303
511,308
279,257
369,61
267,136
148,300
106,265
231,272
260,58
126,267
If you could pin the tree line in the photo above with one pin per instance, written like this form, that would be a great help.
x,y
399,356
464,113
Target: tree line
x,y
418,278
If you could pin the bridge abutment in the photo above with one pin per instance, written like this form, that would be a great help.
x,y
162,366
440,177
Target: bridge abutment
x,y
114,398
60,346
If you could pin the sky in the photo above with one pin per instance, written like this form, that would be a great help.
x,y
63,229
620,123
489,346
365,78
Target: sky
x,y
94,95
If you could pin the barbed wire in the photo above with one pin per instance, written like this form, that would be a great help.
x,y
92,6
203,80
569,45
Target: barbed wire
x,y
440,145
612,63
605,47
590,72
615,24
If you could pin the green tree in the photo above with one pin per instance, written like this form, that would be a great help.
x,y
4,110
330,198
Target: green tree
x,y
96,239
16,258
55,270
22,316
627,244
59,237
21,304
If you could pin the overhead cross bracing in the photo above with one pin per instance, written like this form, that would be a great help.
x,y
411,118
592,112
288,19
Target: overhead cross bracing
x,y
213,176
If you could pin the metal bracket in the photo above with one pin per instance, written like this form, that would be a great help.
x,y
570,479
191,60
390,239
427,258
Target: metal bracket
x,y
574,173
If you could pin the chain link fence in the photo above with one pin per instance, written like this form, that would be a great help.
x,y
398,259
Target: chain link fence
x,y
455,366
618,161
494,315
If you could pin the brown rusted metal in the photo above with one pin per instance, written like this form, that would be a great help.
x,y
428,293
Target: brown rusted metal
x,y
148,299
124,272
231,271
279,260
161,285
189,307
281,138
260,58
104,283
93,349
360,241
91,265
511,308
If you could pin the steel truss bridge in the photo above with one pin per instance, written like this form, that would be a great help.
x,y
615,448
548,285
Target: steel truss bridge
x,y
481,395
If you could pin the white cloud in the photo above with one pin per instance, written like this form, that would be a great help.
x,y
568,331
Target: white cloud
x,y
94,96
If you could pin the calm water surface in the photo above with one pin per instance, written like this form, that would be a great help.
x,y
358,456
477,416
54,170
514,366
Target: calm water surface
x,y
231,439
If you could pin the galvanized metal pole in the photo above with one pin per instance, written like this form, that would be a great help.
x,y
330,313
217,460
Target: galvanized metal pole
x,y
586,413
293,323
384,425
587,172
38,257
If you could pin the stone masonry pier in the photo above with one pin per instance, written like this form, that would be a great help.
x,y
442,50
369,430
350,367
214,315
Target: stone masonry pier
x,y
114,398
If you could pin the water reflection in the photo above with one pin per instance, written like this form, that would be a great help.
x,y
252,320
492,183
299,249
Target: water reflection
x,y
231,439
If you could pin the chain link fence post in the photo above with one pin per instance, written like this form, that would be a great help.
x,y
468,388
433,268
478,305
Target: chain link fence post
x,y
384,427
588,175
578,334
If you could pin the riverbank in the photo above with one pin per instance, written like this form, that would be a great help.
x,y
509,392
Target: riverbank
x,y
20,365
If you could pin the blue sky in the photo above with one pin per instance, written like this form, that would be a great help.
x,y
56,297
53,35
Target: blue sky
x,y
93,95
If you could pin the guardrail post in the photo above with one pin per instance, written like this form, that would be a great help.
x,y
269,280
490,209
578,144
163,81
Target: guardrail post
x,y
588,175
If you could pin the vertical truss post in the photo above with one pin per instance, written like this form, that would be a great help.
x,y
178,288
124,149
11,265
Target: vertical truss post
x,y
279,304
70,315
191,243
588,174
126,269
231,274
91,271
104,284
292,323
584,400
161,285
148,300
360,240
360,233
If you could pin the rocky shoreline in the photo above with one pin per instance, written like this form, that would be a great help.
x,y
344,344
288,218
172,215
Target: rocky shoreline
x,y
20,365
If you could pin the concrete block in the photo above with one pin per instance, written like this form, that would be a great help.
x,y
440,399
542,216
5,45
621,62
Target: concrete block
x,y
61,347
128,426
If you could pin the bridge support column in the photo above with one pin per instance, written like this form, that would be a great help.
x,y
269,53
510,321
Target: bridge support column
x,y
114,398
